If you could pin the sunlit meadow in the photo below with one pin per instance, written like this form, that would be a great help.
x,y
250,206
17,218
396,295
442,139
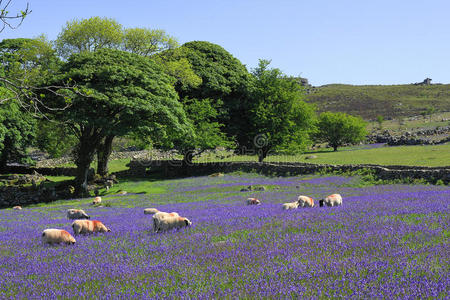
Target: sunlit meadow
x,y
389,241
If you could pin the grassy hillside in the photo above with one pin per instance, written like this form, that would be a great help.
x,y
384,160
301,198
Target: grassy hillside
x,y
389,101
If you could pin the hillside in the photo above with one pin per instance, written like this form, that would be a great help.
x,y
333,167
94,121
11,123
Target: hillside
x,y
389,101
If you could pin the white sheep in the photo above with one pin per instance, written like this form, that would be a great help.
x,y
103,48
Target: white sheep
x,y
163,221
150,211
17,207
305,201
88,226
97,200
331,200
290,205
253,201
56,236
75,214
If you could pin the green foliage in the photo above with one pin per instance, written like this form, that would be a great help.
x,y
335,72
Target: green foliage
x,y
54,139
338,129
380,121
278,116
145,41
175,63
122,92
224,80
207,132
429,112
89,35
27,61
17,132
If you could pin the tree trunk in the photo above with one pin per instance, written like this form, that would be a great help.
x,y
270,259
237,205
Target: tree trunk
x,y
335,148
4,155
81,184
187,158
103,153
84,155
262,153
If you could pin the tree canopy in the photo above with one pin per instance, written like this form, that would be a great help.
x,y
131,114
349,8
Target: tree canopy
x,y
225,80
278,116
121,91
25,63
339,128
89,35
146,42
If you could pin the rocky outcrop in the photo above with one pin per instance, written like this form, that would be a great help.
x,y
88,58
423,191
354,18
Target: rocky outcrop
x,y
418,137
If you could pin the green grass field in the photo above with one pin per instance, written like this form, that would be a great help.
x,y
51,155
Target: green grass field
x,y
432,156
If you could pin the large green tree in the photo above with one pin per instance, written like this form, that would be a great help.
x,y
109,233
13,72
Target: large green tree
x,y
95,33
121,91
340,128
225,81
279,118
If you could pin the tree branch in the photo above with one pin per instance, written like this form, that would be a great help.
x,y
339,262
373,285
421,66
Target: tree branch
x,y
6,20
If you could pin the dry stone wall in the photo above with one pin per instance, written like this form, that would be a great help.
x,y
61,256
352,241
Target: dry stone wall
x,y
142,168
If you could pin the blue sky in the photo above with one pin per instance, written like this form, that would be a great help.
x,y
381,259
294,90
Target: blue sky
x,y
326,41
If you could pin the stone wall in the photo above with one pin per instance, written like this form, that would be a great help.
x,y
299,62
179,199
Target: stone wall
x,y
142,168
438,135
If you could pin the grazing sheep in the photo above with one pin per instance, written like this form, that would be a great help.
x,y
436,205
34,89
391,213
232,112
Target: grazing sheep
x,y
150,211
109,184
216,175
97,200
56,236
163,221
290,205
17,207
75,214
253,201
88,226
331,200
305,201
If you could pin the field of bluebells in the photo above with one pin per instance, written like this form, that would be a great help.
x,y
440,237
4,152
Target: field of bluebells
x,y
389,241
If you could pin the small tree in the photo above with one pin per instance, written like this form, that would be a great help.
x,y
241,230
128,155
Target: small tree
x,y
380,120
277,113
429,111
207,132
339,128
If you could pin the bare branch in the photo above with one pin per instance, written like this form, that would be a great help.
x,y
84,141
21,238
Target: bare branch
x,y
6,20
29,97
